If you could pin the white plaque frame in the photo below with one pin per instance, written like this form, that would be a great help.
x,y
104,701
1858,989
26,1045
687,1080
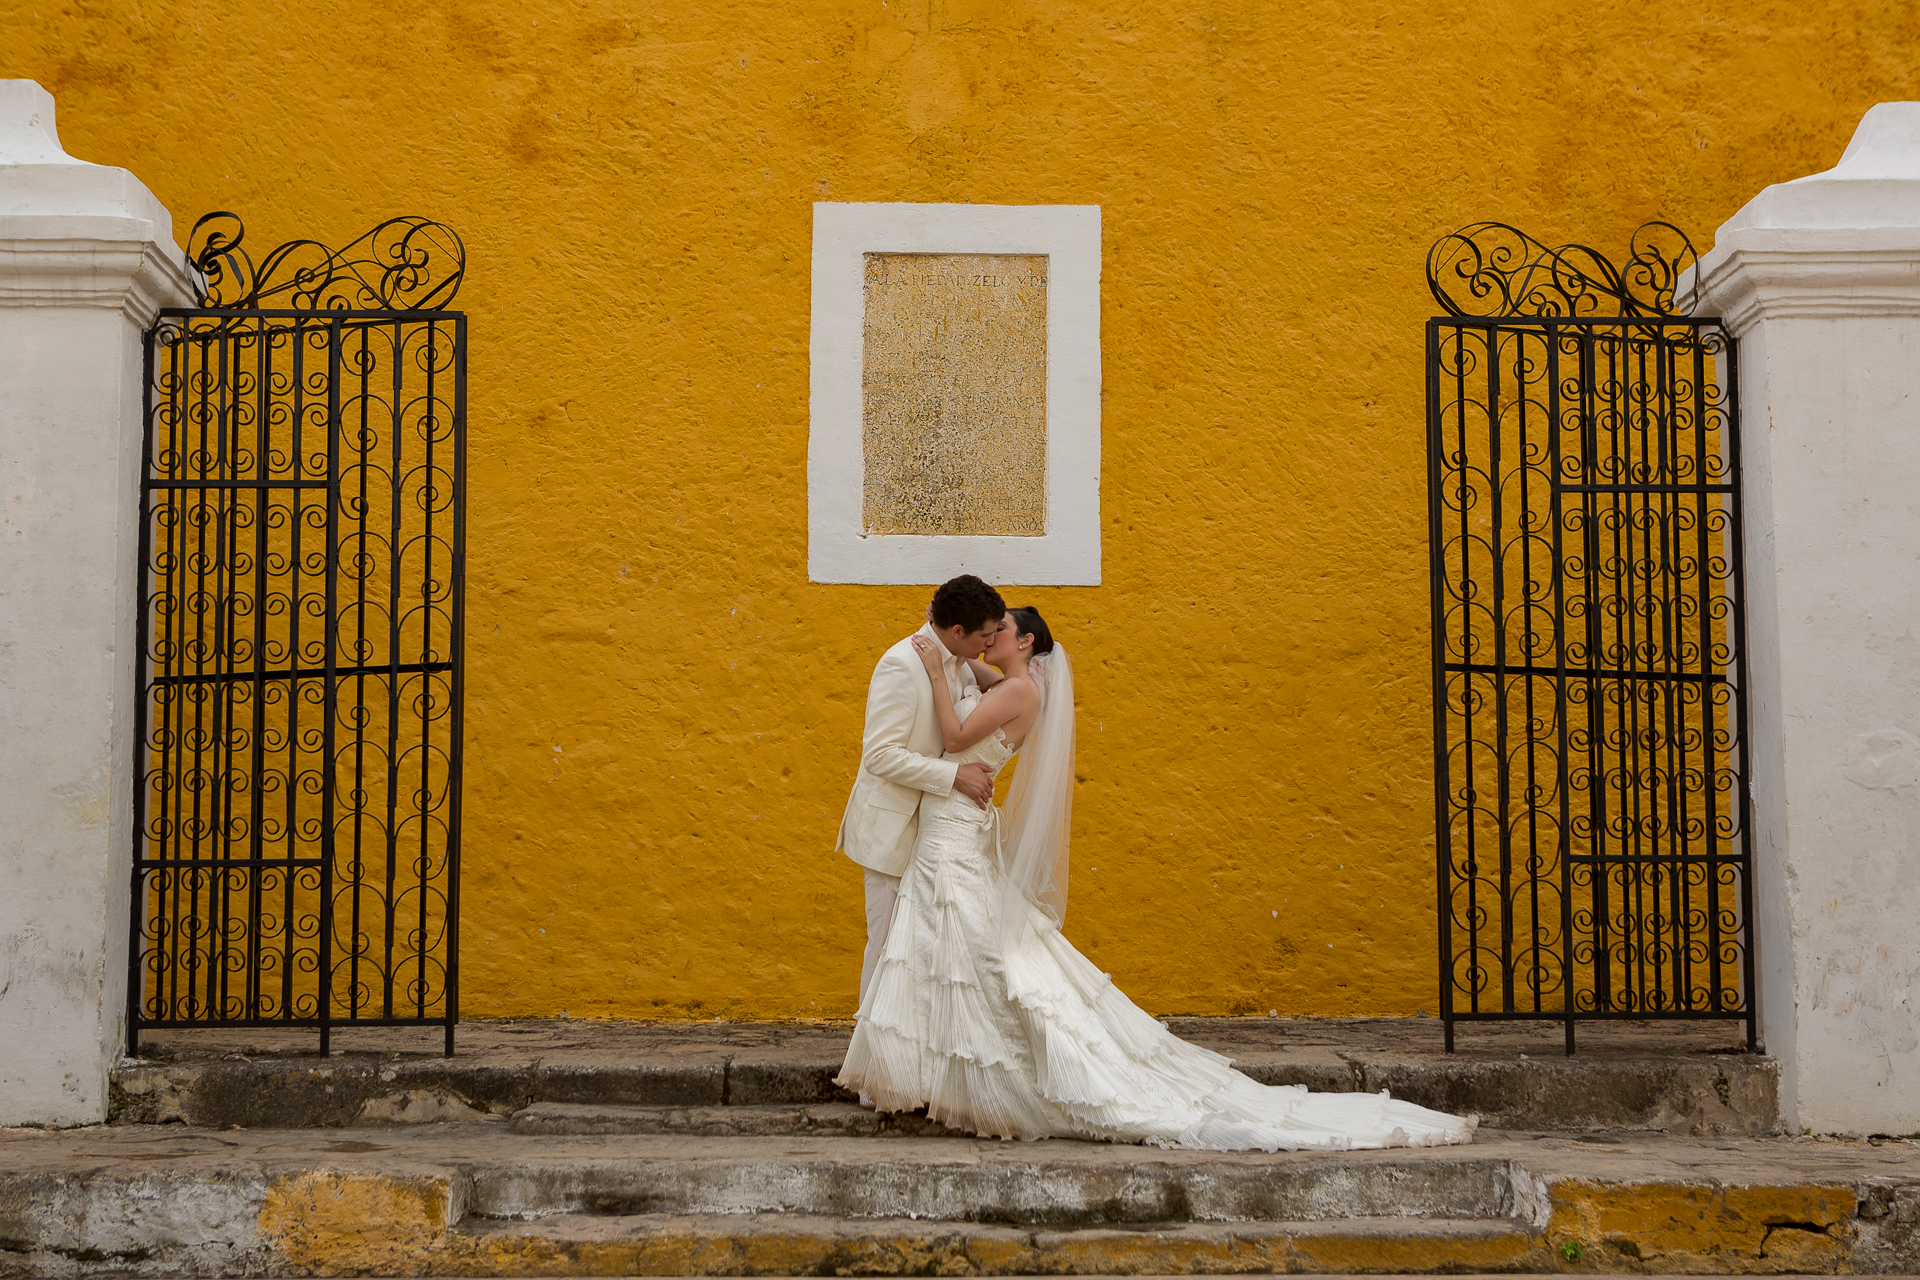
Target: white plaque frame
x,y
838,548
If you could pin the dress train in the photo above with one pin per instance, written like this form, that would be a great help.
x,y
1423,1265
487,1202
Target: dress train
x,y
1010,1032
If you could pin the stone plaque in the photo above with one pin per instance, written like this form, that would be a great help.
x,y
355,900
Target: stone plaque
x,y
954,394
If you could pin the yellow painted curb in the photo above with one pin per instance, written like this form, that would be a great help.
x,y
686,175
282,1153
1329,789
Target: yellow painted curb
x,y
331,1223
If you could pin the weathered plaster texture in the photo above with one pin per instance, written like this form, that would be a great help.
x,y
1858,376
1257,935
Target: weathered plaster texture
x,y
635,186
86,256
1820,280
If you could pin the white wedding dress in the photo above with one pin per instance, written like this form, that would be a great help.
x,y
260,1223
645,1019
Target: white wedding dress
x,y
1002,1029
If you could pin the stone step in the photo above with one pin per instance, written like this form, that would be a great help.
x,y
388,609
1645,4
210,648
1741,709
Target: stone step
x,y
298,1092
831,1119
477,1199
801,1244
1655,1082
1053,1184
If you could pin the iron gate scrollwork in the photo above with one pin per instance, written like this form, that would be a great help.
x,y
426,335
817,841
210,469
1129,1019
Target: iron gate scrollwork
x,y
1591,776
297,797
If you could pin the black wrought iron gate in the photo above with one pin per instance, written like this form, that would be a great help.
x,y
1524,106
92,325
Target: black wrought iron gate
x,y
1589,724
297,804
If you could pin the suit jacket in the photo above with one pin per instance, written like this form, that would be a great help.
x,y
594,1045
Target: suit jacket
x,y
900,760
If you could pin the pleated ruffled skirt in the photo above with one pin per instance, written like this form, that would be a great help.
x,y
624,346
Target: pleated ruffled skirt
x,y
1013,1033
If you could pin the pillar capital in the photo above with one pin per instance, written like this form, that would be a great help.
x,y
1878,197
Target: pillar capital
x,y
75,234
1831,245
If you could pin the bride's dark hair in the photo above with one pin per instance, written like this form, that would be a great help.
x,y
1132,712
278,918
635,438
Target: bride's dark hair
x,y
1028,622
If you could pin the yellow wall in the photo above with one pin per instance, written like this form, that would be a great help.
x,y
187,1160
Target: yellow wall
x,y
663,714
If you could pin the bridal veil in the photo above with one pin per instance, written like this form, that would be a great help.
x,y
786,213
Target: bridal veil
x,y
1039,808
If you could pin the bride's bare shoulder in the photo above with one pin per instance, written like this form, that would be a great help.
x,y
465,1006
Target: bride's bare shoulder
x,y
1019,689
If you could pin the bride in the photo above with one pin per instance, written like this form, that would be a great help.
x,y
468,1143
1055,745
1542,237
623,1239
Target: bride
x,y
981,1012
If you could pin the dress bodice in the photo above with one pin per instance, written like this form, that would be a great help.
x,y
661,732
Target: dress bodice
x,y
991,751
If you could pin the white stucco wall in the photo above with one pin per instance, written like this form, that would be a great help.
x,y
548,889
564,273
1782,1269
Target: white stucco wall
x,y
1820,280
86,258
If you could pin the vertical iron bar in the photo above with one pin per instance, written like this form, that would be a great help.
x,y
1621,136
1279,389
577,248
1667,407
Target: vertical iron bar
x,y
1436,567
1502,680
457,655
394,570
1704,471
1467,789
1563,843
256,791
187,827
296,604
422,803
1592,472
199,690
179,693
1497,566
358,867
136,904
1527,529
1603,946
1736,546
220,692
1632,357
1491,337
330,693
1647,742
1673,843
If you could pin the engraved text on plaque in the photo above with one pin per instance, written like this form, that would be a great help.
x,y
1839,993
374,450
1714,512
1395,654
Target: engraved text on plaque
x,y
954,394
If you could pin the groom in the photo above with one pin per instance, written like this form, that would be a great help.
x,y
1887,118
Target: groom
x,y
900,754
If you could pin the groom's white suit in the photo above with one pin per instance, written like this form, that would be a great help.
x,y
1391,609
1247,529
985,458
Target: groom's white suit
x,y
900,762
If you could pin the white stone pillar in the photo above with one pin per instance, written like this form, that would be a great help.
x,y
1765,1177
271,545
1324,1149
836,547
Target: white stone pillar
x,y
86,258
1820,280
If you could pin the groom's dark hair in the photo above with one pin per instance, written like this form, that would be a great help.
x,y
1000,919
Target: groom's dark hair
x,y
967,602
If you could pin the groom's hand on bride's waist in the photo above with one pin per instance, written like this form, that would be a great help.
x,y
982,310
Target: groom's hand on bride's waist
x,y
975,782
